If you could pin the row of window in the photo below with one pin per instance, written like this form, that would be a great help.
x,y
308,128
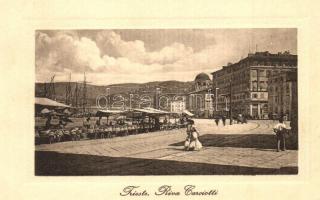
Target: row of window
x,y
259,86
285,100
254,73
276,109
279,89
274,63
242,77
255,96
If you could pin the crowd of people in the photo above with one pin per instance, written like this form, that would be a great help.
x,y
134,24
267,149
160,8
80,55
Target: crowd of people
x,y
239,119
95,128
98,128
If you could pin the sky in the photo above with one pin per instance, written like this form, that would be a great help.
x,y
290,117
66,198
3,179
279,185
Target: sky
x,y
144,55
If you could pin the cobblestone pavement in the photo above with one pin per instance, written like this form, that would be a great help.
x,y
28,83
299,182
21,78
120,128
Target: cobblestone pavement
x,y
231,149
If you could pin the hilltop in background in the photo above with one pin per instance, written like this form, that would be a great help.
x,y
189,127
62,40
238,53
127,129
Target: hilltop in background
x,y
94,90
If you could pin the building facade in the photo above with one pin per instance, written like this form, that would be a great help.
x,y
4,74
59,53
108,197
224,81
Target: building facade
x,y
200,100
282,89
177,106
243,86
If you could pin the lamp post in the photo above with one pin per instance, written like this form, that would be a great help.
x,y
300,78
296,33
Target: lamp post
x,y
226,101
209,102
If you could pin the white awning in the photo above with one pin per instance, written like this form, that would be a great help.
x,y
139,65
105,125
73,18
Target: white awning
x,y
158,111
49,102
188,113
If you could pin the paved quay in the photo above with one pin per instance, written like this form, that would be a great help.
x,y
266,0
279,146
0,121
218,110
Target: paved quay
x,y
232,149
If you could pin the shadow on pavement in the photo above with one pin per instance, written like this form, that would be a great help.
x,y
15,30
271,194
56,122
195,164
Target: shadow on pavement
x,y
257,141
60,164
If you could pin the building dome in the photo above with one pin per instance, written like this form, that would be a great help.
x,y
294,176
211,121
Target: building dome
x,y
202,77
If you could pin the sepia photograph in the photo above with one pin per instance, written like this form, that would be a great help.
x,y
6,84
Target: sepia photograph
x,y
143,102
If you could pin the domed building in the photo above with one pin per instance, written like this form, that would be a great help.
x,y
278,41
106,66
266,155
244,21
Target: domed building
x,y
202,81
201,98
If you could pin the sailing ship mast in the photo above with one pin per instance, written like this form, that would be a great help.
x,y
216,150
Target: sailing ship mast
x,y
68,91
84,93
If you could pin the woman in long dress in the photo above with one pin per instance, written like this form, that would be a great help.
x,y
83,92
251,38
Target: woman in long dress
x,y
192,142
189,132
195,144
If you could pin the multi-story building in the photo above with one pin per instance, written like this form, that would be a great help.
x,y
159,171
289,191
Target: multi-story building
x,y
177,106
282,89
243,86
200,100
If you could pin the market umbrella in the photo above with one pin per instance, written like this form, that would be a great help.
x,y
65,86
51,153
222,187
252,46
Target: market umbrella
x,y
45,111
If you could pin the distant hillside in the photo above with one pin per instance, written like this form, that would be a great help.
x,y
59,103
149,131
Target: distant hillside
x,y
93,90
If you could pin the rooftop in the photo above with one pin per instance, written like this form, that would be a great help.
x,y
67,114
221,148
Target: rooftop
x,y
202,77
264,56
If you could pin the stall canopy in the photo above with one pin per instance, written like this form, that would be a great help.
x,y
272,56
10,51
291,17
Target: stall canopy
x,y
45,102
107,113
151,111
145,111
188,113
47,112
158,111
185,112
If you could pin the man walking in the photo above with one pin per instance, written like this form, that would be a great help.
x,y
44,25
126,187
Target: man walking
x,y
224,120
217,119
280,130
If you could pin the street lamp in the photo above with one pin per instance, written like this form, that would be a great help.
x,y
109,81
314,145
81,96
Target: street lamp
x,y
209,102
230,102
225,98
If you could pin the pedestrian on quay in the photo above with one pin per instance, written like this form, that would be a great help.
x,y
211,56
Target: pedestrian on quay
x,y
245,119
165,121
224,120
192,141
217,119
48,122
86,123
98,122
188,131
280,130
62,123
